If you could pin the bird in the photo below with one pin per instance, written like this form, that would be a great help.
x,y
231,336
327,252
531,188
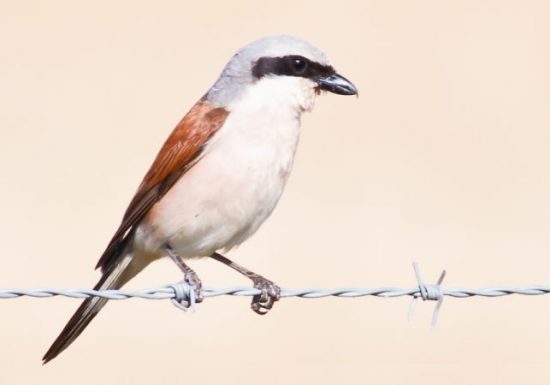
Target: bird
x,y
219,174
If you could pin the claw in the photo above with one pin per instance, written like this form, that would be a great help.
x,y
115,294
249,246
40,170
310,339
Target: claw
x,y
263,302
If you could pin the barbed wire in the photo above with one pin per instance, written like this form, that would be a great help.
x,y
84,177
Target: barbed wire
x,y
182,294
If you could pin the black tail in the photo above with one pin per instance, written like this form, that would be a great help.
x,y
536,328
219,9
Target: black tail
x,y
114,278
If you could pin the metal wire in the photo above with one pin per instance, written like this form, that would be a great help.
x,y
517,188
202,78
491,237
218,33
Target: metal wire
x,y
181,293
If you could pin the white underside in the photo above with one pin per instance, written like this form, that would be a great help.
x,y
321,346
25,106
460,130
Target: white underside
x,y
235,186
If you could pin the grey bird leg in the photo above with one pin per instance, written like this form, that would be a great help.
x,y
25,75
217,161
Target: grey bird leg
x,y
263,302
189,275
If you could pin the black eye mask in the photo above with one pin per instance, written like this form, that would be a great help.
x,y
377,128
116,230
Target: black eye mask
x,y
292,65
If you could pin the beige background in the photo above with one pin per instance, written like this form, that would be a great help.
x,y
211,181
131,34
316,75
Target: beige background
x,y
443,159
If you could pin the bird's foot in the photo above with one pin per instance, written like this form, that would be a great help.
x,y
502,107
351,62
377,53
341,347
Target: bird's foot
x,y
193,280
189,277
263,302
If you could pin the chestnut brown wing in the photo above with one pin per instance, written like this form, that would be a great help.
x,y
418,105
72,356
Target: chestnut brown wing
x,y
180,152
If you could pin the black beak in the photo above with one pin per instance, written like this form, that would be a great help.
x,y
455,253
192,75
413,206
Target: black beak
x,y
337,84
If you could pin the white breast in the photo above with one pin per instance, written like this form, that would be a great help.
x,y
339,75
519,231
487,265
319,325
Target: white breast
x,y
229,193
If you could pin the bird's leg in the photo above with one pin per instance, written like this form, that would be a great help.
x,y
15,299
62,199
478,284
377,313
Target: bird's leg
x,y
189,275
263,302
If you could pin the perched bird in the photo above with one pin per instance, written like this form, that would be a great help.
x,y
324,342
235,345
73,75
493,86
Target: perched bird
x,y
220,173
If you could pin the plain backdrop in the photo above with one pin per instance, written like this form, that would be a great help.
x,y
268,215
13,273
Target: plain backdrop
x,y
443,159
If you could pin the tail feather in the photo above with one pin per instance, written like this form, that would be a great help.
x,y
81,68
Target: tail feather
x,y
114,278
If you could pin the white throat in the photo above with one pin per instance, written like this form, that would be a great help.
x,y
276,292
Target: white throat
x,y
279,93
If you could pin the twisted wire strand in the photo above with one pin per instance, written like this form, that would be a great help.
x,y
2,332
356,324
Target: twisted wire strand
x,y
182,294
167,292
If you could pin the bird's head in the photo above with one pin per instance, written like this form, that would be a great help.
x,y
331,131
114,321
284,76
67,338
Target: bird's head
x,y
280,69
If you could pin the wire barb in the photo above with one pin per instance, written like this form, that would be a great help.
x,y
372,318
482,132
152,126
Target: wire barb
x,y
428,292
184,296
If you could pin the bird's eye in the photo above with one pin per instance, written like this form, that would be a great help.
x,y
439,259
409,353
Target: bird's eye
x,y
299,65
